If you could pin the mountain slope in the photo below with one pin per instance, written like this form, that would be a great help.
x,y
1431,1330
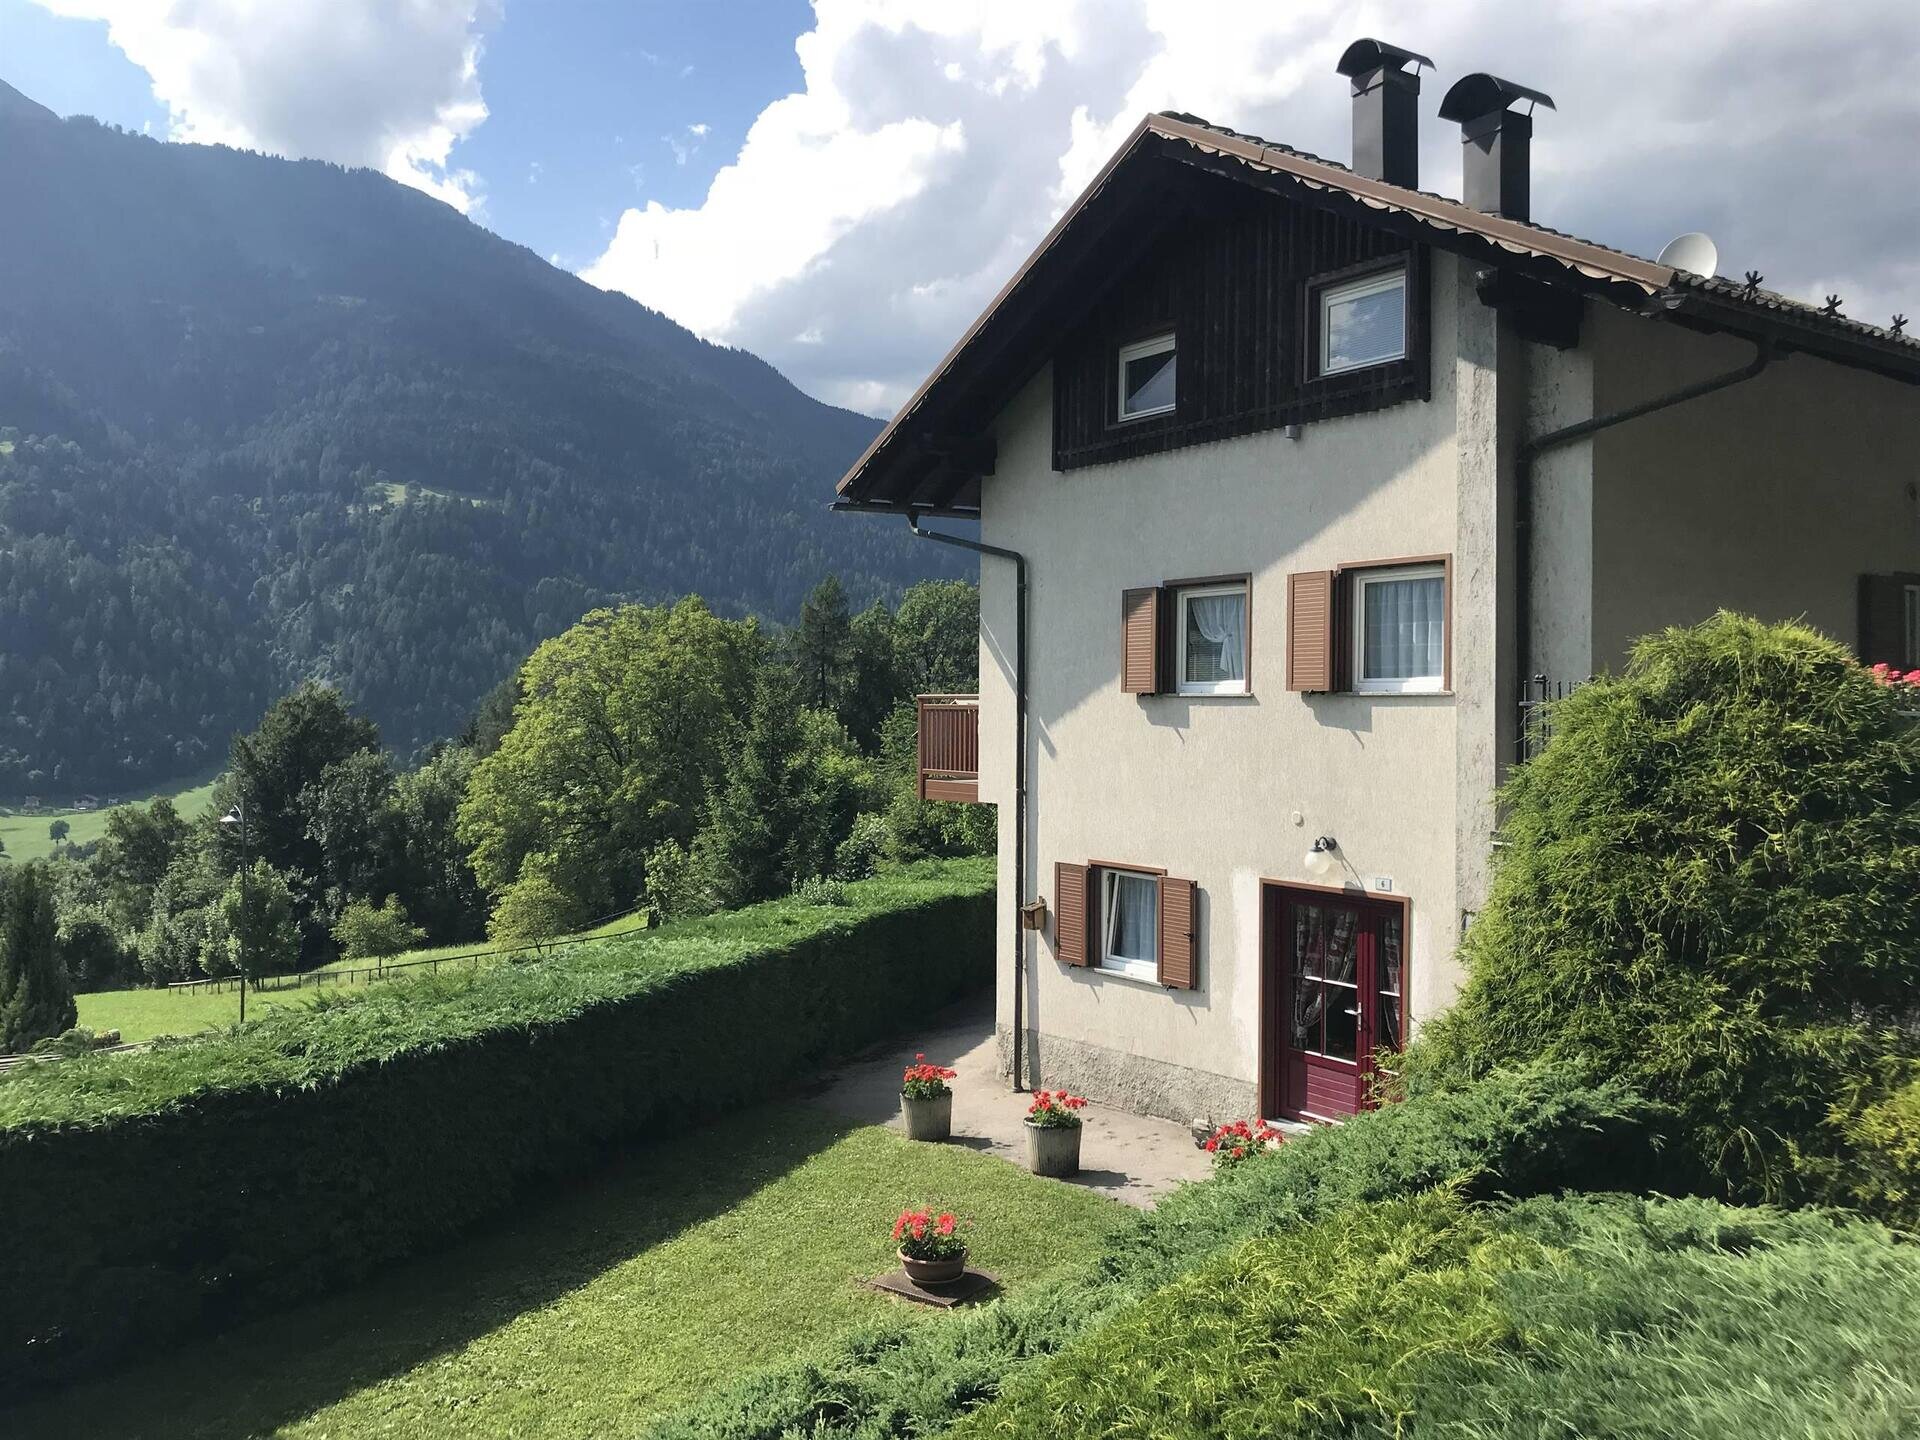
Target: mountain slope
x,y
263,419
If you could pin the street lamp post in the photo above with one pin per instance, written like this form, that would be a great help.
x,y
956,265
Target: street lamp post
x,y
238,816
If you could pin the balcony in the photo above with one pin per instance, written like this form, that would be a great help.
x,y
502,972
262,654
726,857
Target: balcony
x,y
949,747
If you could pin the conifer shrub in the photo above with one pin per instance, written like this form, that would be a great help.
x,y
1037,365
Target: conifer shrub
x,y
1710,888
1560,1316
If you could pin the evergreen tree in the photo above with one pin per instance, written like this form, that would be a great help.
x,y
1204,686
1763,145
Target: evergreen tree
x,y
36,996
874,681
821,647
756,812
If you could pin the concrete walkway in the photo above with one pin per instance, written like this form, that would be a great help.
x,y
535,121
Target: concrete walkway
x,y
1130,1157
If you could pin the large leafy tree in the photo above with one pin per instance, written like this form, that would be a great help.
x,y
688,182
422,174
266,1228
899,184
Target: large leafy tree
x,y
352,822
622,724
936,638
436,876
252,924
301,735
36,997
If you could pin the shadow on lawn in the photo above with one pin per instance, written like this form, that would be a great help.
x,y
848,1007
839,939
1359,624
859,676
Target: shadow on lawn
x,y
277,1369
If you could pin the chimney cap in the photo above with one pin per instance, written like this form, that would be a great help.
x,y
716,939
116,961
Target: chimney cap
x,y
1363,56
1480,94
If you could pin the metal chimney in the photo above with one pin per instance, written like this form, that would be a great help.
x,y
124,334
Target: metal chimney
x,y
1386,110
1495,141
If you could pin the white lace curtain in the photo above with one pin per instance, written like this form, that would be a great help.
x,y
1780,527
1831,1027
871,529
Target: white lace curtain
x,y
1220,621
1404,619
1135,915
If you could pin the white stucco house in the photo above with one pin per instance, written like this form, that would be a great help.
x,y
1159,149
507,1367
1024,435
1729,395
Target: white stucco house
x,y
1290,478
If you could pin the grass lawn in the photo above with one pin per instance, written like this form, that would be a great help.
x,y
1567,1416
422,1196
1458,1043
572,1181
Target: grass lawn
x,y
726,1248
26,836
625,924
143,1014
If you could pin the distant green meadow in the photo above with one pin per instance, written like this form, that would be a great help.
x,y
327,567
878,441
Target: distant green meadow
x,y
26,834
144,1013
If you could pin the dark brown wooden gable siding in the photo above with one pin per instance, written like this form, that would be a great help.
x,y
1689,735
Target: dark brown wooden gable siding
x,y
1232,285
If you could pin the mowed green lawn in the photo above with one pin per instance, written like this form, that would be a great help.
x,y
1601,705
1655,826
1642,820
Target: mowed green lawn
x,y
142,1014
26,836
727,1248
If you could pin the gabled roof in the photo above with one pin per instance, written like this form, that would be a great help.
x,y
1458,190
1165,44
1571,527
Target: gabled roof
x,y
927,460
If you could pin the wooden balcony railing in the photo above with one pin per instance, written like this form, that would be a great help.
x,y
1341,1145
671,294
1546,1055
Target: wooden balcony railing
x,y
949,747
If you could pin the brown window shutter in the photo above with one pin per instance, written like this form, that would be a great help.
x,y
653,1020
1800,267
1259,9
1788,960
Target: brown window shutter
x,y
1883,621
1140,628
1179,970
1070,913
1310,630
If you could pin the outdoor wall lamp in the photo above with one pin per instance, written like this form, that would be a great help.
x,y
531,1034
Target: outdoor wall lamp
x,y
1321,861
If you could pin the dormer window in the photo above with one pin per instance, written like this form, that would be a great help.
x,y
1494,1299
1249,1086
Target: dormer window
x,y
1362,322
1146,378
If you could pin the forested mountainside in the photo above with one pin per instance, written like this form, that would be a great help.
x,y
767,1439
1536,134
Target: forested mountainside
x,y
264,420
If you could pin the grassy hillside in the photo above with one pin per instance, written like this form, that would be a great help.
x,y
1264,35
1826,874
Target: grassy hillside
x,y
26,837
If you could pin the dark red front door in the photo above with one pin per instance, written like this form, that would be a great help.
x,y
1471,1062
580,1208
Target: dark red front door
x,y
1333,972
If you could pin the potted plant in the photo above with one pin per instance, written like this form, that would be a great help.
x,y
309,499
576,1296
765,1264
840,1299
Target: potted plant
x,y
1053,1132
931,1248
926,1101
1239,1140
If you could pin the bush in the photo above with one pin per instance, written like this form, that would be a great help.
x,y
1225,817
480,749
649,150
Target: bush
x,y
365,930
534,908
680,883
1883,1159
858,854
152,1195
1580,1315
819,890
1513,1133
1708,889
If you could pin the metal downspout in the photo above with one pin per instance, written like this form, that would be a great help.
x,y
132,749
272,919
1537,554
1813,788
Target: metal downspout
x,y
1531,450
1019,762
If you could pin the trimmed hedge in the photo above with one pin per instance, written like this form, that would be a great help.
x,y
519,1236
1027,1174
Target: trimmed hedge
x,y
144,1198
1514,1133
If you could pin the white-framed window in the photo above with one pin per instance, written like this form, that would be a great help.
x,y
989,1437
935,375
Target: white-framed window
x,y
1130,923
1210,637
1400,629
1362,322
1146,378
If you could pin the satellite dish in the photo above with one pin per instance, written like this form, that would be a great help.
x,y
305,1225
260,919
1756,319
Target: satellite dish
x,y
1692,251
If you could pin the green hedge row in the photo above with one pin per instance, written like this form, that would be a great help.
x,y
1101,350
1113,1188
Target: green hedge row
x,y
145,1198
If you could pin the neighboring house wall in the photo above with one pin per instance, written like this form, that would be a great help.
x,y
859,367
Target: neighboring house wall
x,y
1224,790
1770,498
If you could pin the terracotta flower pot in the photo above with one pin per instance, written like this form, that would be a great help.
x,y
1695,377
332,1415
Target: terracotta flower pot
x,y
929,1119
934,1272
1053,1149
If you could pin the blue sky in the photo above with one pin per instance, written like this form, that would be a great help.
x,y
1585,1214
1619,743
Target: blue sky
x,y
840,186
587,101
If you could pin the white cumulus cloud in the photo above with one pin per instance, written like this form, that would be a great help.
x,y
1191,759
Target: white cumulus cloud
x,y
390,84
868,217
